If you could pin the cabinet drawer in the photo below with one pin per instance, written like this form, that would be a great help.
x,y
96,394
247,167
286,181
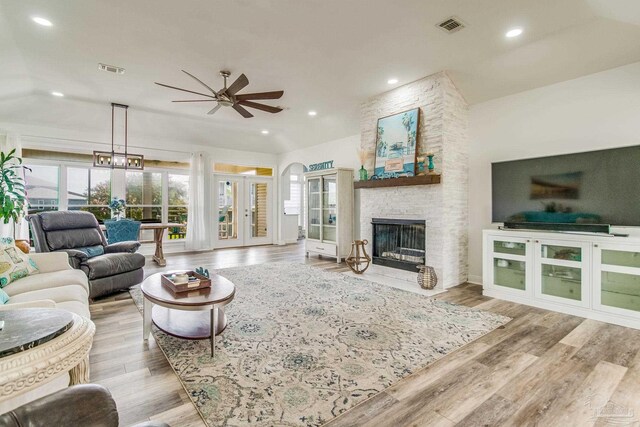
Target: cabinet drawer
x,y
321,248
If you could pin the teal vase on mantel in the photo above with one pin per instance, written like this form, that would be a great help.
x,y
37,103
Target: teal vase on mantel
x,y
430,166
363,174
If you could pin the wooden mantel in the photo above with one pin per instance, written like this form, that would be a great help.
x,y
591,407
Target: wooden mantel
x,y
399,182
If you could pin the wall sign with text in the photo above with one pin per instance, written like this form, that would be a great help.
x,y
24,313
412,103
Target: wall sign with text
x,y
321,166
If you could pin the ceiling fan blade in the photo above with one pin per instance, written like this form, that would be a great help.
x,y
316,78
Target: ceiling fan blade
x,y
277,94
216,108
200,81
263,107
240,83
242,111
185,90
196,100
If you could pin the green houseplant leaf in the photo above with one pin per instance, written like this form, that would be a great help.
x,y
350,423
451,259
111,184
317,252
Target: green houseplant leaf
x,y
12,188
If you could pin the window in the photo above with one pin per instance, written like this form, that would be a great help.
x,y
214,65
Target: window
x,y
43,188
293,206
89,190
178,187
144,196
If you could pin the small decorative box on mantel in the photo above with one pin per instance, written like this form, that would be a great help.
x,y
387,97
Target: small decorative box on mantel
x,y
183,281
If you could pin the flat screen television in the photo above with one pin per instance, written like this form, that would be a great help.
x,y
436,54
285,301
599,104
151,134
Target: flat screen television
x,y
595,187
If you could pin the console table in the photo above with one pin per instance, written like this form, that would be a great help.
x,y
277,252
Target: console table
x,y
587,275
39,345
158,234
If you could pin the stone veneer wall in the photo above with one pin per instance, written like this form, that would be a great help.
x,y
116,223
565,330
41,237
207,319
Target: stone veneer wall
x,y
442,130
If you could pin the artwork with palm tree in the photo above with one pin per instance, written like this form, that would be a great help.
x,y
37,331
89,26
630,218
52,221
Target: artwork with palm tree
x,y
396,143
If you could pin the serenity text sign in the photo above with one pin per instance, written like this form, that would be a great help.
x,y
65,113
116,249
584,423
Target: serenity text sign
x,y
321,166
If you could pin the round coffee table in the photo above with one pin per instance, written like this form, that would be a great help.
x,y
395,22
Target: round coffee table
x,y
37,346
193,315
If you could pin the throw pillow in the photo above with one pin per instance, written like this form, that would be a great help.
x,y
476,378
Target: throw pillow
x,y
4,298
14,264
92,251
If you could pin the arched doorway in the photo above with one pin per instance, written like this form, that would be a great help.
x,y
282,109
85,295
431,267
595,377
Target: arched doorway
x,y
291,206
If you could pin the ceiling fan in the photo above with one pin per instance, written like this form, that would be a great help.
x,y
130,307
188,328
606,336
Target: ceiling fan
x,y
229,96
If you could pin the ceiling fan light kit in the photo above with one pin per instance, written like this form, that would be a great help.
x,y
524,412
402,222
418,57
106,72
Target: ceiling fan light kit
x,y
229,97
117,160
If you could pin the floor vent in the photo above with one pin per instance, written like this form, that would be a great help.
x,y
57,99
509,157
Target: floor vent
x,y
451,25
111,68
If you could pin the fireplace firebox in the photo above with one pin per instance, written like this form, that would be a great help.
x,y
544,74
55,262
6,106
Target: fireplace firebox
x,y
399,243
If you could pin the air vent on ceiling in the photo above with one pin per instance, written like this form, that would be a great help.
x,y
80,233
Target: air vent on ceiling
x,y
110,68
451,25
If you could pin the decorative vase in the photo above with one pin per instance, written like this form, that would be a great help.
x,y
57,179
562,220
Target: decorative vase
x,y
431,166
427,278
363,174
356,260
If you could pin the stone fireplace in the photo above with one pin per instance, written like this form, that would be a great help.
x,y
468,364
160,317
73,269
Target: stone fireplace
x,y
442,208
398,243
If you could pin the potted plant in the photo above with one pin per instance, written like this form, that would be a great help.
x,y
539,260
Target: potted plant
x,y
13,196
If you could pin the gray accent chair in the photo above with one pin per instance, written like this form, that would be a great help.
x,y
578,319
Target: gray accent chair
x,y
77,406
117,269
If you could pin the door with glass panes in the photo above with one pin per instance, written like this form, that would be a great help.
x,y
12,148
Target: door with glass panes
x,y
243,210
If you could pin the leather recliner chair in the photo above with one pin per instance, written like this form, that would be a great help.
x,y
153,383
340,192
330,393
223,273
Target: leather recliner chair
x,y
76,406
78,234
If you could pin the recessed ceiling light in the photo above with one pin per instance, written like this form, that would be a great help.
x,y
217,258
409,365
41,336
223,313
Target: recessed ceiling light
x,y
514,33
392,81
42,21
58,94
312,113
265,132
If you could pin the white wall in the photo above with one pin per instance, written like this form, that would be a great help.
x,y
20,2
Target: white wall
x,y
593,112
344,153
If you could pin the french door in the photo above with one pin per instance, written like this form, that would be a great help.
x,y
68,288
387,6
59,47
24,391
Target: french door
x,y
243,210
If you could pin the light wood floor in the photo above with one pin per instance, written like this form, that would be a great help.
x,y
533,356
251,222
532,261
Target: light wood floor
x,y
542,368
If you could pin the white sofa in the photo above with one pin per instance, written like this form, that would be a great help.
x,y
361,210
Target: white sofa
x,y
57,285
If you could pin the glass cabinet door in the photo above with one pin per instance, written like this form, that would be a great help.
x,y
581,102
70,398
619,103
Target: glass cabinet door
x,y
560,271
509,266
509,273
329,208
617,277
314,214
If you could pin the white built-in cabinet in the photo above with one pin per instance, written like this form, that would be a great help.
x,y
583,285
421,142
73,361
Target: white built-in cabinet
x,y
329,211
593,276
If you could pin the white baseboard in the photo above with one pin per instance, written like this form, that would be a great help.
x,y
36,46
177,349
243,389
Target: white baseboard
x,y
476,280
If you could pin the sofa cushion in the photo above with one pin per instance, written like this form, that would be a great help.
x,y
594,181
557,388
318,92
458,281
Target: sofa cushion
x,y
111,264
58,295
47,281
73,239
14,264
68,220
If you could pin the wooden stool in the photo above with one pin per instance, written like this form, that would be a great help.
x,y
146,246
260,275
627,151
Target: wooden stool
x,y
356,261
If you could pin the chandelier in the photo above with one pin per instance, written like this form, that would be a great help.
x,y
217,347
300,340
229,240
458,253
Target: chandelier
x,y
118,160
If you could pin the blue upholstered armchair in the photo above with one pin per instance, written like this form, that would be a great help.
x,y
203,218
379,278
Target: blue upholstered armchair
x,y
124,230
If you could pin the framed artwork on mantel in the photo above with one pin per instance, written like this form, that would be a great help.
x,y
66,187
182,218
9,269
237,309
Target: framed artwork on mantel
x,y
396,142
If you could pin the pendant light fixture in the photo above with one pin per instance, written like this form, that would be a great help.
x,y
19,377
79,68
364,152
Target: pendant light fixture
x,y
117,160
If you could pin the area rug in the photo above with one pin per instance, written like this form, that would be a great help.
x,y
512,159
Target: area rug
x,y
304,345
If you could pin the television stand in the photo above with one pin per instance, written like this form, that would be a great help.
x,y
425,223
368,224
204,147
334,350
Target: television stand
x,y
596,276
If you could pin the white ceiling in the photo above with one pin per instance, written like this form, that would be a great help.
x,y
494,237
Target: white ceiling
x,y
327,55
